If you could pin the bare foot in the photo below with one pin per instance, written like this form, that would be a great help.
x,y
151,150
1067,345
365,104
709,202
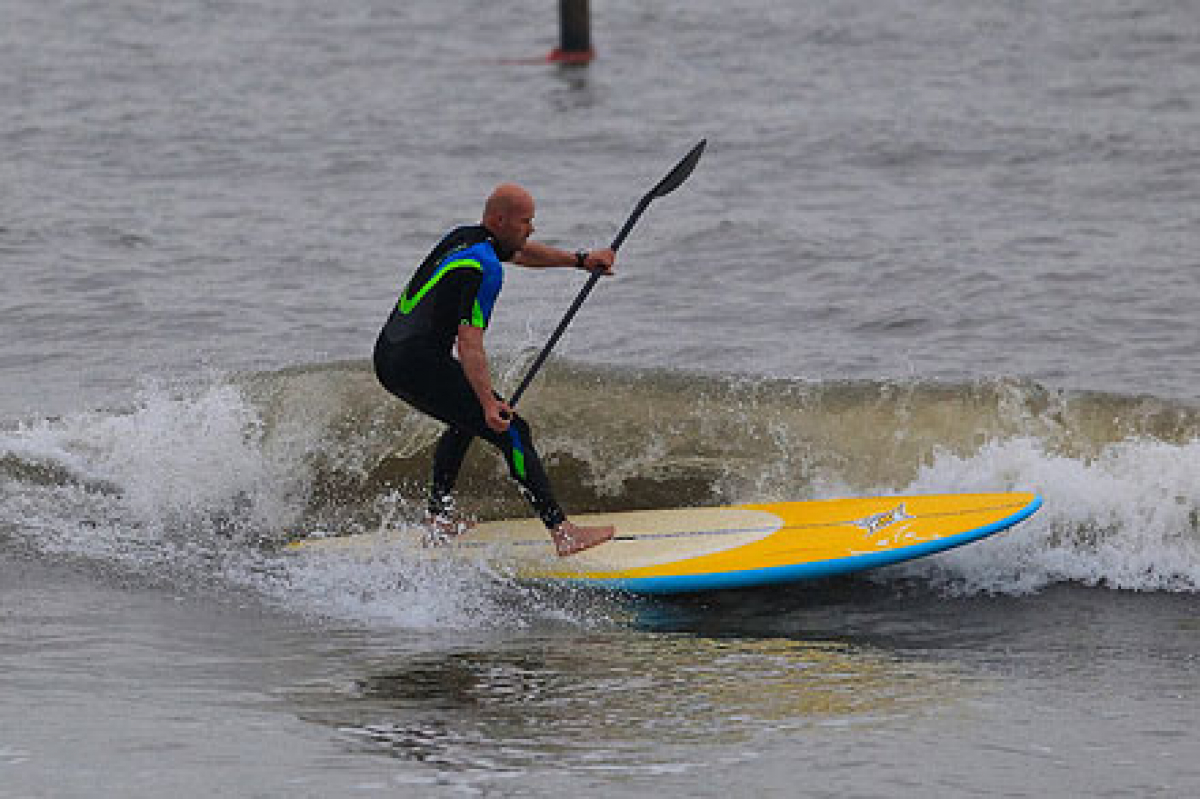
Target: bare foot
x,y
443,527
570,539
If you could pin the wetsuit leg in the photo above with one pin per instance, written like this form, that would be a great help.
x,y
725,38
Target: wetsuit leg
x,y
447,461
436,385
526,468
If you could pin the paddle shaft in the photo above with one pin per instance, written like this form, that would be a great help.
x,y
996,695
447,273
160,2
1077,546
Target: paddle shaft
x,y
574,309
668,184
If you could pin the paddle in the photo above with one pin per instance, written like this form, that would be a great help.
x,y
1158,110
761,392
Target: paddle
x,y
672,181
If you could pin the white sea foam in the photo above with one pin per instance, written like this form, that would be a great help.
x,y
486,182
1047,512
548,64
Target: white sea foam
x,y
198,486
182,487
1125,518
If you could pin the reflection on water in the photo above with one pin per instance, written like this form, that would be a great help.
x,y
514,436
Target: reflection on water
x,y
623,700
573,90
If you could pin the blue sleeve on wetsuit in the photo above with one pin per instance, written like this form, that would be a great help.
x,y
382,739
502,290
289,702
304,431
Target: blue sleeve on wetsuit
x,y
476,308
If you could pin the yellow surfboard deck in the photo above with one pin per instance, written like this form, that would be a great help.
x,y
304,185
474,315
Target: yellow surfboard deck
x,y
704,549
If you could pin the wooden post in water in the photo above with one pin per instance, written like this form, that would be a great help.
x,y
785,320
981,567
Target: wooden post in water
x,y
575,38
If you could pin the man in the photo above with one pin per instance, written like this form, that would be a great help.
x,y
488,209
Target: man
x,y
447,305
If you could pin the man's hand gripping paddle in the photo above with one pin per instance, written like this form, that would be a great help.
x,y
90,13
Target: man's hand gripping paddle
x,y
672,181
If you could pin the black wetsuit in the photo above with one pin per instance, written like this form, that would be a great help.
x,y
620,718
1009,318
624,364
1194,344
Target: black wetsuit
x,y
457,284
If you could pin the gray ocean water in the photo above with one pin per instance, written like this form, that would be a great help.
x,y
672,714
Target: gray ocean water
x,y
932,247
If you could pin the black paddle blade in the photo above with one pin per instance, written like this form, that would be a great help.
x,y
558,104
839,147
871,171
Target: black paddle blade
x,y
680,173
665,186
670,183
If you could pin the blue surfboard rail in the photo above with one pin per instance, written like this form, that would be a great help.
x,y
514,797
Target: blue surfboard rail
x,y
777,575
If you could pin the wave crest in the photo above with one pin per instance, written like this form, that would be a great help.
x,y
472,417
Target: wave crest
x,y
219,471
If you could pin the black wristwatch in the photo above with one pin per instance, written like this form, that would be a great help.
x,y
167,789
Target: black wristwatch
x,y
581,259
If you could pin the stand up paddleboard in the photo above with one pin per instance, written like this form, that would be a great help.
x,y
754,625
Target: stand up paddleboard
x,y
705,549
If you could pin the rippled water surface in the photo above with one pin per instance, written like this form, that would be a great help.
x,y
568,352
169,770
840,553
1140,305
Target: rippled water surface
x,y
932,247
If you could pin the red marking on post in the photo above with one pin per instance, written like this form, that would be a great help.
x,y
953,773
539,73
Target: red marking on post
x,y
571,57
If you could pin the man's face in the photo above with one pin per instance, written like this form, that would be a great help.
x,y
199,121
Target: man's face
x,y
516,226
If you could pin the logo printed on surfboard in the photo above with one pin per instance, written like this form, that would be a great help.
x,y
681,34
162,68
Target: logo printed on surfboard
x,y
879,522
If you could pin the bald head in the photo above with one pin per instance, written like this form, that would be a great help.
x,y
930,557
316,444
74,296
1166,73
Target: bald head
x,y
508,199
508,214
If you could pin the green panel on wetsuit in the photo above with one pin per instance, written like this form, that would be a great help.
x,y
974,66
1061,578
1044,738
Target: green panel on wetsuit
x,y
477,319
408,303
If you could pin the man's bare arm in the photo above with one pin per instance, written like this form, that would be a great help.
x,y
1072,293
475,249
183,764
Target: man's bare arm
x,y
475,365
540,255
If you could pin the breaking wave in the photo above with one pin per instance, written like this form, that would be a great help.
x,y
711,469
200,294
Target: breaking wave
x,y
202,483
